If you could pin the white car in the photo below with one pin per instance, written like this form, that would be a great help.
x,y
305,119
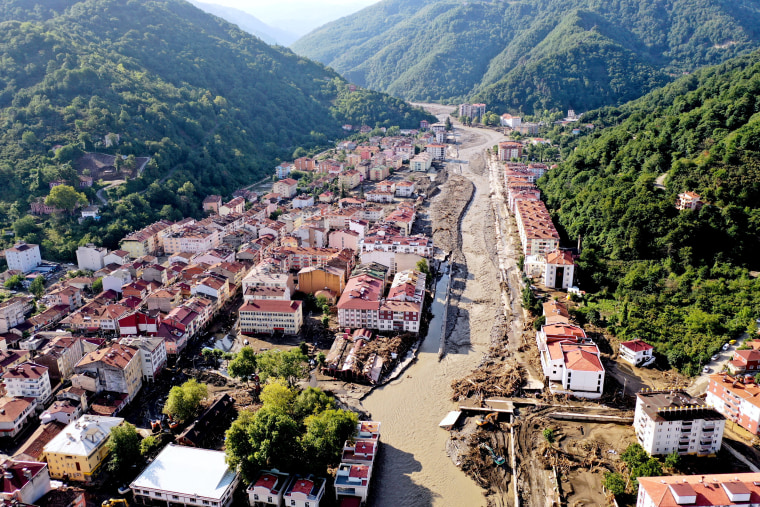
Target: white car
x,y
725,346
706,369
714,358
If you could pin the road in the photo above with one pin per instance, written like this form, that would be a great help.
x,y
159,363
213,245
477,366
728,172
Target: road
x,y
699,385
101,194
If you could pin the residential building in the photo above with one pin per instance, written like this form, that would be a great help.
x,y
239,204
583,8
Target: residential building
x,y
60,355
303,201
672,421
13,312
117,368
305,491
570,361
403,218
77,453
534,224
358,306
28,380
236,205
399,316
509,150
472,110
268,488
70,297
689,201
62,411
146,241
316,278
737,398
287,187
24,481
23,257
15,414
636,352
186,476
120,257
421,162
379,196
507,120
152,354
349,179
418,244
559,270
704,490
352,480
744,362
344,239
271,316
405,188
91,257
212,203
436,150
11,358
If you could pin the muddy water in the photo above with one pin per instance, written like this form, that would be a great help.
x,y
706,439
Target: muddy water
x,y
413,468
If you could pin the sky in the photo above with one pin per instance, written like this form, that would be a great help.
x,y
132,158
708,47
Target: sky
x,y
296,16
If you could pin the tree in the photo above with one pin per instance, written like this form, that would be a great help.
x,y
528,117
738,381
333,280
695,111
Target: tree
x,y
148,445
184,400
422,267
278,396
614,483
37,287
540,321
25,226
549,435
243,365
65,197
325,434
267,438
288,365
124,447
14,282
311,401
97,286
673,460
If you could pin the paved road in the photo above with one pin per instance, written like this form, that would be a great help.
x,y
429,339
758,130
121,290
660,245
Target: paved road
x,y
699,385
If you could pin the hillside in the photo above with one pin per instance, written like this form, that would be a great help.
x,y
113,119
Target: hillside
x,y
679,278
210,104
248,23
527,56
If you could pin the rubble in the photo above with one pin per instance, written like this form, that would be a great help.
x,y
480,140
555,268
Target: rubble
x,y
490,379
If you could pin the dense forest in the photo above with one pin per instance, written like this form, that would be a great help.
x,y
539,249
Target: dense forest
x,y
526,56
685,280
213,107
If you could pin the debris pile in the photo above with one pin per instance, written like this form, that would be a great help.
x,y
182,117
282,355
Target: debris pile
x,y
490,379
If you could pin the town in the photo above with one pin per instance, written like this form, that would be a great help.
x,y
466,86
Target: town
x,y
337,259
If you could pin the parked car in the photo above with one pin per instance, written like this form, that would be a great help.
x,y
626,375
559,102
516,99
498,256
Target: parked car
x,y
714,358
725,347
706,369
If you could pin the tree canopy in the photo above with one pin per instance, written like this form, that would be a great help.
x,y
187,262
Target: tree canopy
x,y
184,400
290,365
124,448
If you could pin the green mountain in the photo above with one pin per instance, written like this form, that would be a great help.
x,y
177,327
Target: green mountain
x,y
686,280
210,104
525,55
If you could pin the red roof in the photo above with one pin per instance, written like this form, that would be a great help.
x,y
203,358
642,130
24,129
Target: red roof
x,y
707,489
271,305
579,359
303,486
636,345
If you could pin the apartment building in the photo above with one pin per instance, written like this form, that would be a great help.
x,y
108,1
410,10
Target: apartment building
x,y
28,380
737,398
23,257
271,316
534,224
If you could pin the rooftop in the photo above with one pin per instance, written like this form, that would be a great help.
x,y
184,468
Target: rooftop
x,y
702,490
674,406
82,436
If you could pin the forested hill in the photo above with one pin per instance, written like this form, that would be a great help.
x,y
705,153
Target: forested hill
x,y
526,55
683,279
210,103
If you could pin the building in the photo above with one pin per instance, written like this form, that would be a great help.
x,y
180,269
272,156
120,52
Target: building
x,y
91,257
689,201
360,302
186,476
507,120
352,480
28,380
287,187
13,312
534,224
636,352
316,278
117,368
211,203
15,413
271,316
718,490
436,150
146,241
236,205
23,257
744,362
509,150
673,421
737,398
570,361
268,488
60,355
24,481
77,453
559,270
421,162
305,491
472,110
152,354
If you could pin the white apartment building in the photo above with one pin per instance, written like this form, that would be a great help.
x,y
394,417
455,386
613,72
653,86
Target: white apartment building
x,y
192,239
270,316
673,421
437,151
420,245
13,312
152,354
28,380
91,257
23,257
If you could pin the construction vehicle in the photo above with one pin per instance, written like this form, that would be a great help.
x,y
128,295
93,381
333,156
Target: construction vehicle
x,y
488,419
497,460
155,425
115,502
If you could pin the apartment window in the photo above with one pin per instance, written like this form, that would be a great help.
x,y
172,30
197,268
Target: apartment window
x,y
175,497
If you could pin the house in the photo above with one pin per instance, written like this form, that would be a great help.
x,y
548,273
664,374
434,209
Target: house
x,y
271,316
186,476
287,187
28,380
704,490
305,491
636,352
405,188
559,270
268,488
91,257
202,429
352,480
212,203
92,211
507,120
15,413
117,368
152,354
78,452
24,481
689,201
236,205
744,362
436,151
672,421
23,257
509,150
737,398
302,201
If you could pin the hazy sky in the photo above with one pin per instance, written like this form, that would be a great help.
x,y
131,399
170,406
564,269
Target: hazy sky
x,y
297,16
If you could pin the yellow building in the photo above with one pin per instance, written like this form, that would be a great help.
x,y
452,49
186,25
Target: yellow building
x,y
316,278
77,452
